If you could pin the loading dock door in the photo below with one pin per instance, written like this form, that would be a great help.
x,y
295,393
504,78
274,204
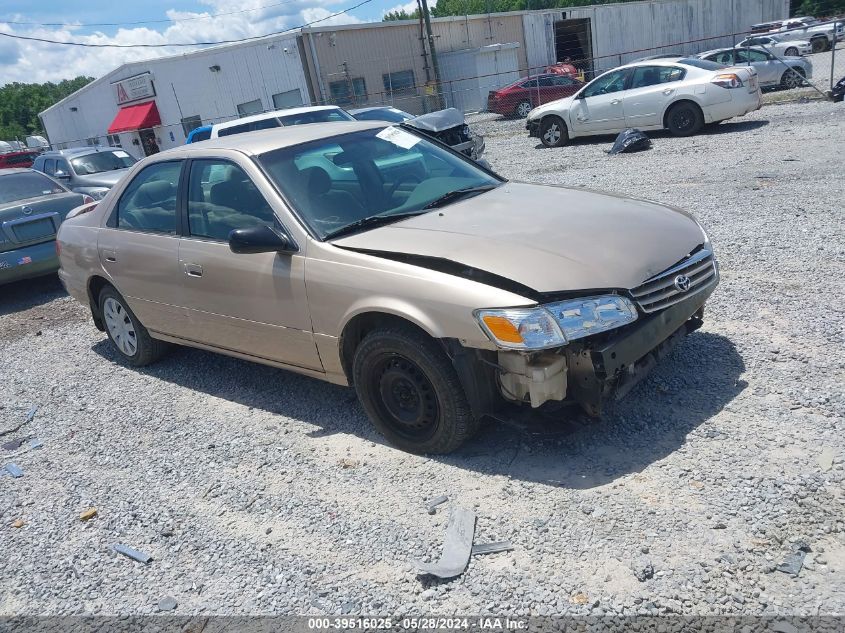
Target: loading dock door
x,y
574,43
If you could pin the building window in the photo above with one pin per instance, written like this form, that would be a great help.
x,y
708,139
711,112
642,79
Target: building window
x,y
113,140
348,91
190,123
94,140
289,99
399,83
250,107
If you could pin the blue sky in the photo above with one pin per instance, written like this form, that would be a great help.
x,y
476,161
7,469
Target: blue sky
x,y
32,61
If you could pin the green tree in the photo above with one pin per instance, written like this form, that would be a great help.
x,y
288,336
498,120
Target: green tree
x,y
20,104
401,15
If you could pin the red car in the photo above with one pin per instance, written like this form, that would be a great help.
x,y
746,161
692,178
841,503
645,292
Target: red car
x,y
23,158
521,97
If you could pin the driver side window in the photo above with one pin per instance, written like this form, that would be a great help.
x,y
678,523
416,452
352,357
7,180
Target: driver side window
x,y
611,82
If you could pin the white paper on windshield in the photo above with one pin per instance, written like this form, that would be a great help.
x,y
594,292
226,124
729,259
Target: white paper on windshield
x,y
121,154
398,137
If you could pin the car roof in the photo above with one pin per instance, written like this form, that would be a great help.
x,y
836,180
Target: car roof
x,y
262,141
373,109
79,151
663,61
273,113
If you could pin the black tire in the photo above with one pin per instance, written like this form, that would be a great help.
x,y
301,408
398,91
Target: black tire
x,y
553,132
792,78
411,392
522,109
791,52
820,44
146,349
684,119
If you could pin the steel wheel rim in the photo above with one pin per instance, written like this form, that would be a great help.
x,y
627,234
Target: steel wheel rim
x,y
552,135
120,326
406,398
523,108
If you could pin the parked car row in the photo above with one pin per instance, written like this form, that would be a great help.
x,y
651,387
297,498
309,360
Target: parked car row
x,y
437,289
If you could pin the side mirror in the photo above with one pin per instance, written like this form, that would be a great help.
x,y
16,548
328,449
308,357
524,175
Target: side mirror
x,y
261,239
61,175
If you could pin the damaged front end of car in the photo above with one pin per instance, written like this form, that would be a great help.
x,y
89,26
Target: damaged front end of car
x,y
589,350
449,127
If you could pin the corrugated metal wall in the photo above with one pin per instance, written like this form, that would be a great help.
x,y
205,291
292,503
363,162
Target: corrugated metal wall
x,y
470,74
624,32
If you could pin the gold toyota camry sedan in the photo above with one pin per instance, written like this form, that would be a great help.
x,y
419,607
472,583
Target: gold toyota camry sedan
x,y
370,255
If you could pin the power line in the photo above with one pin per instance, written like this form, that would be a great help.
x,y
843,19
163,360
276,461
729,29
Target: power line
x,y
171,20
244,39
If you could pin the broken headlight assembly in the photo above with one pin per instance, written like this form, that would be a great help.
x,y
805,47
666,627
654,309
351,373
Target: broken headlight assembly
x,y
555,324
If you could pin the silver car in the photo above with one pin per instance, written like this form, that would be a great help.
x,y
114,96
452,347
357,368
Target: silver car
x,y
786,72
88,170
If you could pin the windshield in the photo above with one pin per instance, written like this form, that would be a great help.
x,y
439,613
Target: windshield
x,y
14,187
98,162
703,64
392,115
340,180
316,116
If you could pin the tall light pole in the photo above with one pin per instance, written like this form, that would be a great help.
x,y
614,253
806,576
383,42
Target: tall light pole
x,y
434,63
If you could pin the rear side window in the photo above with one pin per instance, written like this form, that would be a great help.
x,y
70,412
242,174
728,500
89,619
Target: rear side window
x,y
320,116
149,202
262,124
50,166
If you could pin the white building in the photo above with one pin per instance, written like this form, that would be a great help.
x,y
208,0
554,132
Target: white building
x,y
155,104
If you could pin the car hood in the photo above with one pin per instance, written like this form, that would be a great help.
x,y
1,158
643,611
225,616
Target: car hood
x,y
102,179
546,238
559,106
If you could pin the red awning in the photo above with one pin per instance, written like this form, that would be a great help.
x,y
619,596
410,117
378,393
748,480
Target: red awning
x,y
135,117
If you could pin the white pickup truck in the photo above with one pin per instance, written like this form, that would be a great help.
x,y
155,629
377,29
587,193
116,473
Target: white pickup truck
x,y
821,36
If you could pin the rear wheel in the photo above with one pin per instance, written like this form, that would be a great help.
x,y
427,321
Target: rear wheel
x,y
522,109
791,52
684,119
411,392
553,132
792,78
129,337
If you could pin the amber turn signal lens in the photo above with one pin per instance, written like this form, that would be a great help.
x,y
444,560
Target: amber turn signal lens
x,y
502,329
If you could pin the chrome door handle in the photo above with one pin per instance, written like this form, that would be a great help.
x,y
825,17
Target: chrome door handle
x,y
193,270
668,91
616,102
109,255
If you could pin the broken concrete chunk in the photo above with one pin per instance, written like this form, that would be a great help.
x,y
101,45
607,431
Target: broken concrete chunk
x,y
141,557
457,546
492,548
18,523
431,505
14,470
90,513
168,603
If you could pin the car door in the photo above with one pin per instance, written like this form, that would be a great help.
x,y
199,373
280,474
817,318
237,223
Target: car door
x,y
563,86
252,304
651,90
530,91
769,69
139,248
598,107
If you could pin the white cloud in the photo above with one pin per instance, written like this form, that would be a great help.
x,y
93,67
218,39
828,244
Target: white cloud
x,y
409,7
26,61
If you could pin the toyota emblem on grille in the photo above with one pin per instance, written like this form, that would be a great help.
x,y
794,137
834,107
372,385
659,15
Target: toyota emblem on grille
x,y
682,283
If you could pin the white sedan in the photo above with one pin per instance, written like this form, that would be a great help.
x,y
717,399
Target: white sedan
x,y
780,47
679,94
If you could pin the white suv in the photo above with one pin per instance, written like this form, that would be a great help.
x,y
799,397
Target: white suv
x,y
281,118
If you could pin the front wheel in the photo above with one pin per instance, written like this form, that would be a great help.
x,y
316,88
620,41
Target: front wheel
x,y
792,78
129,337
791,52
820,44
522,109
684,119
553,132
411,392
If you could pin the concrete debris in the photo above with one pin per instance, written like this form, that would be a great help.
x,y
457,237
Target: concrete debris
x,y
14,470
492,548
141,557
431,505
645,572
457,546
168,603
18,523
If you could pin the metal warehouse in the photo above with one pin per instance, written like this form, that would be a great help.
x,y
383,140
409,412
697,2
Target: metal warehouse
x,y
153,105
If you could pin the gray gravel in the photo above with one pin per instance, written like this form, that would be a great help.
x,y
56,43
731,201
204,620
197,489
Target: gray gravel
x,y
258,491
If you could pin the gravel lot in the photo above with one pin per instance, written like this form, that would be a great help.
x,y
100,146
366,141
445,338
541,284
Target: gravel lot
x,y
258,491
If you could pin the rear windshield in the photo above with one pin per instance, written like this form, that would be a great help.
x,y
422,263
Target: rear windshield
x,y
392,115
98,162
701,63
14,187
319,116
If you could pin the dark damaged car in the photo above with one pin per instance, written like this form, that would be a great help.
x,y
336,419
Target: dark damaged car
x,y
439,290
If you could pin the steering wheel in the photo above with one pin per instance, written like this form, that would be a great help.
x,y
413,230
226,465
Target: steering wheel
x,y
401,180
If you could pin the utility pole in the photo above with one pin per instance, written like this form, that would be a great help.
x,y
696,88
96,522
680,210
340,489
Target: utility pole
x,y
434,63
